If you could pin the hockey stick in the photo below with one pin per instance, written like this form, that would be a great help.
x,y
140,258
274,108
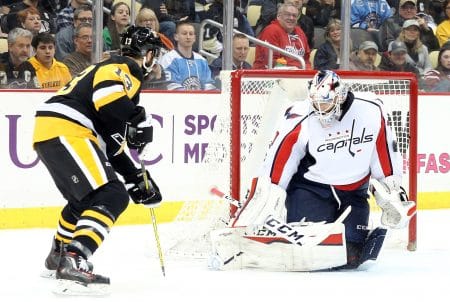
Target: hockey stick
x,y
153,216
292,235
215,191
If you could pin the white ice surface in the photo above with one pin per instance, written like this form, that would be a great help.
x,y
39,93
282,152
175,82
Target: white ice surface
x,y
128,257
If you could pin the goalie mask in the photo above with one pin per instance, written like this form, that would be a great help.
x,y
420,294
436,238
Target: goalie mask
x,y
137,42
326,94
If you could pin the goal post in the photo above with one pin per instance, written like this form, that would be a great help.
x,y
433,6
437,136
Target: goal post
x,y
250,91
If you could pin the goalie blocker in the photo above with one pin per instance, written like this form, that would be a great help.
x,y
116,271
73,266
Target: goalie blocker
x,y
259,237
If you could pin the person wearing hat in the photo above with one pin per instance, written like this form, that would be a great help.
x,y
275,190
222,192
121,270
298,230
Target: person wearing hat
x,y
394,59
417,51
364,58
390,29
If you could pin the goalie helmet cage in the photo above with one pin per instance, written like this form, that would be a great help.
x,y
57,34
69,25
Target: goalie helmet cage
x,y
398,91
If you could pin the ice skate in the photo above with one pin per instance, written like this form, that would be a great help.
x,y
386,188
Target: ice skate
x,y
52,260
75,277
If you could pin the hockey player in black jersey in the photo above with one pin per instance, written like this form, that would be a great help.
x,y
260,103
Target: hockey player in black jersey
x,y
80,135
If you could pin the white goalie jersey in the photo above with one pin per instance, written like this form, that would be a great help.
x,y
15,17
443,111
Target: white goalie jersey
x,y
346,154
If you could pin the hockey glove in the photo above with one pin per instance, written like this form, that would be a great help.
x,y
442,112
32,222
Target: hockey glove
x,y
148,195
139,130
397,210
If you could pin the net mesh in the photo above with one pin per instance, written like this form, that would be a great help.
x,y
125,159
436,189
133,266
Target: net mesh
x,y
263,98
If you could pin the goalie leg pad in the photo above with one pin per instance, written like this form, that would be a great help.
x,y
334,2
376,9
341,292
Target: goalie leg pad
x,y
235,248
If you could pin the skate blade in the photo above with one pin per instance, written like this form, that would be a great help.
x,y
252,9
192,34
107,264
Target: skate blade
x,y
49,274
75,288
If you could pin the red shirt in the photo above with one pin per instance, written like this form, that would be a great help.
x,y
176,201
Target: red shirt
x,y
295,43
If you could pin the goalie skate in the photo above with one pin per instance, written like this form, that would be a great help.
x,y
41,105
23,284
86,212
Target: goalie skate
x,y
75,278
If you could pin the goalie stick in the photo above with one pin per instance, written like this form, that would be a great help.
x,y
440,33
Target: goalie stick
x,y
215,191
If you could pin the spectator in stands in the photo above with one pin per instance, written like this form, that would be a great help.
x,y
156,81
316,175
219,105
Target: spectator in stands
x,y
369,14
167,22
439,79
11,21
184,68
50,73
417,51
118,21
146,17
241,46
328,54
30,19
321,11
269,13
66,15
213,40
394,59
65,36
443,29
15,70
391,28
156,79
285,34
181,10
81,57
434,9
364,58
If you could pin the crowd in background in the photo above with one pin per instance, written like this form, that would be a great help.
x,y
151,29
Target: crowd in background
x,y
49,42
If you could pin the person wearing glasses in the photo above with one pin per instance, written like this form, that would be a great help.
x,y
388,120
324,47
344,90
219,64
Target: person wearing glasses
x,y
284,33
65,17
81,57
30,19
65,37
391,28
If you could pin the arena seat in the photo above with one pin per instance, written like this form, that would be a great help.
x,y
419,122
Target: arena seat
x,y
253,13
433,55
251,55
358,36
319,37
3,45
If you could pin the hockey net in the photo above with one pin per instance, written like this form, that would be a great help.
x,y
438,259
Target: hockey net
x,y
252,101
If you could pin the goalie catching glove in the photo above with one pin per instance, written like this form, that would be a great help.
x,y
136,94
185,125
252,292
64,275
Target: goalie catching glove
x,y
143,189
397,210
139,130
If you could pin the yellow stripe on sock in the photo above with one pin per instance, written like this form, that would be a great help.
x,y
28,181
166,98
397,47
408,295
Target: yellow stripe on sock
x,y
66,224
89,233
103,218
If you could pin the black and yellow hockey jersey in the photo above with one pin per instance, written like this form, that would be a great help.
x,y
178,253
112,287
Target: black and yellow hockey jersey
x,y
95,105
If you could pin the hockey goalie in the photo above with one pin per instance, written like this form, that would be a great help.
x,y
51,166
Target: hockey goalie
x,y
308,208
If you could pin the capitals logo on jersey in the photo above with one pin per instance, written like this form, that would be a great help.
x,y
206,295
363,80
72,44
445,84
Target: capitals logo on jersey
x,y
348,140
